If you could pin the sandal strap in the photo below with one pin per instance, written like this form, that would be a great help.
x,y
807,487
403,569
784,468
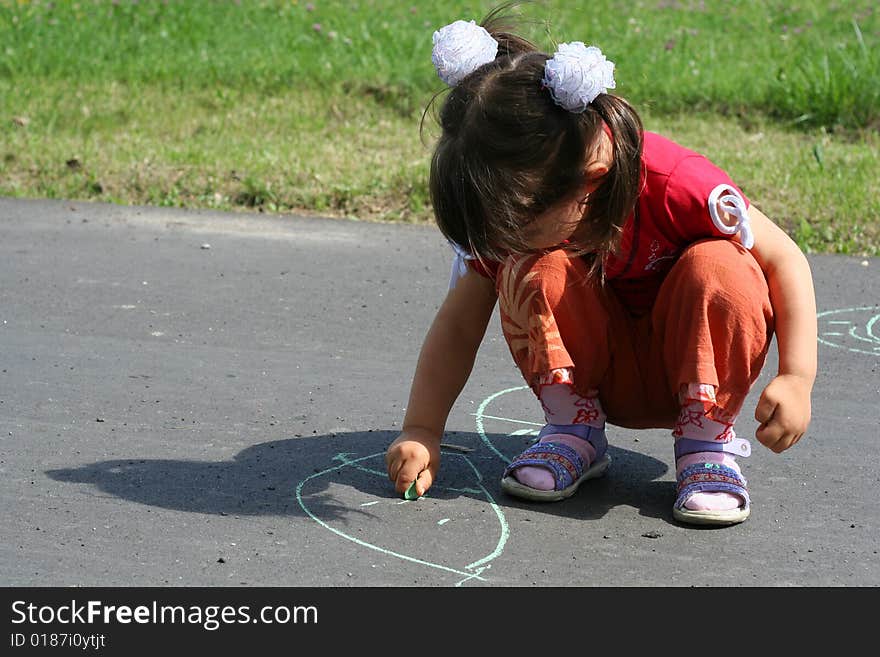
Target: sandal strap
x,y
596,437
710,478
737,447
563,461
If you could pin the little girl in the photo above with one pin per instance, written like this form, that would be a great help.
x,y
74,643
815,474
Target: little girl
x,y
636,284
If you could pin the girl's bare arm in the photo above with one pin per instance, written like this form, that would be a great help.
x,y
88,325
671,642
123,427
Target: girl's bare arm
x,y
444,365
784,407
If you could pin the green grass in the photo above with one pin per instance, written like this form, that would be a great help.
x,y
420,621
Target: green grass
x,y
279,106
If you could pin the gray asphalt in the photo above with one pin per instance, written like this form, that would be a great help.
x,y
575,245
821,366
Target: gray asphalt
x,y
203,399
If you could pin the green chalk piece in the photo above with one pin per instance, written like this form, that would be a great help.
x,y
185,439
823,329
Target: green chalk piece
x,y
411,493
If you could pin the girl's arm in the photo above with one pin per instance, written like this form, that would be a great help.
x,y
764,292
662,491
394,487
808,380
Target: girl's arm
x,y
784,407
445,363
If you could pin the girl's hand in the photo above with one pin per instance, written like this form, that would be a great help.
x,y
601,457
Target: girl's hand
x,y
783,411
413,456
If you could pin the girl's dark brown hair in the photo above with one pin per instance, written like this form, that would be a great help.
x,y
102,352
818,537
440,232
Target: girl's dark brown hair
x,y
508,152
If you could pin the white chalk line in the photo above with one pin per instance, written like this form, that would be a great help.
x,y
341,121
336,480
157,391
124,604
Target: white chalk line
x,y
869,327
477,567
480,414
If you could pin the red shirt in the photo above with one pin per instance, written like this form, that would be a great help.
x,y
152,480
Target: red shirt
x,y
671,213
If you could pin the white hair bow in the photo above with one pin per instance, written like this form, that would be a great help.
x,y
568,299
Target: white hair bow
x,y
576,75
460,48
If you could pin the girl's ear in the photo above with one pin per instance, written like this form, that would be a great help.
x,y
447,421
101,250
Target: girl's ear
x,y
594,174
599,164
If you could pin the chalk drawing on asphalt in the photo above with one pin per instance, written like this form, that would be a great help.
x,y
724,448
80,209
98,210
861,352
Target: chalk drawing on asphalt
x,y
853,329
442,509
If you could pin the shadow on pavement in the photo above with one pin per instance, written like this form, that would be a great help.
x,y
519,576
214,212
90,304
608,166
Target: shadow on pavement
x,y
286,477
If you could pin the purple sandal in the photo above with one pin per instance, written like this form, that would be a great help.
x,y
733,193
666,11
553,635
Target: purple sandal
x,y
568,468
710,478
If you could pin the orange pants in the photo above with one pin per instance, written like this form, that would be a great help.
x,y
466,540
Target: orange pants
x,y
711,324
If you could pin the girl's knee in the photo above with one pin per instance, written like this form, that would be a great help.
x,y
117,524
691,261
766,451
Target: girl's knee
x,y
716,285
720,265
550,273
548,262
